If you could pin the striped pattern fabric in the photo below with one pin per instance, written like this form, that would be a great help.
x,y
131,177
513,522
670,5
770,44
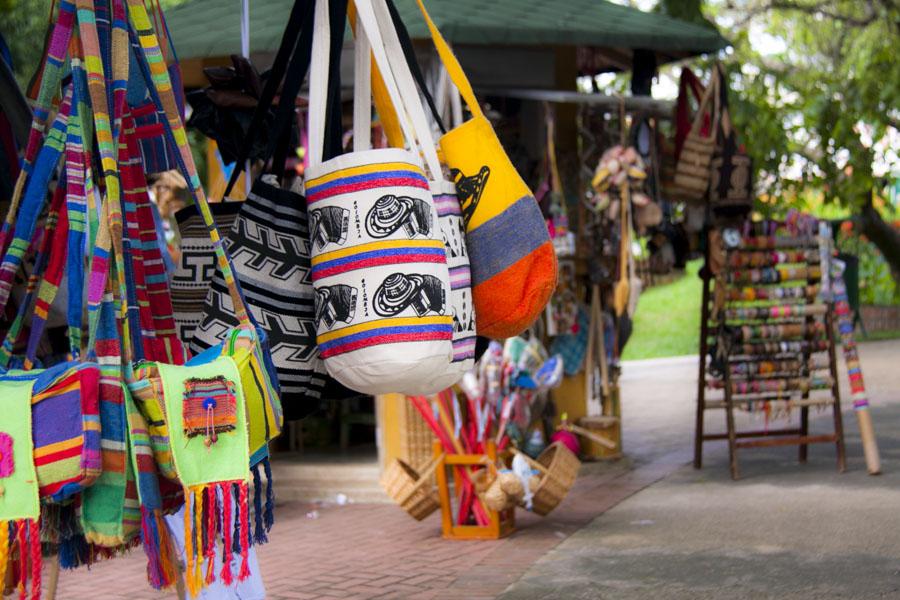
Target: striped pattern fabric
x,y
42,239
379,268
65,427
208,406
153,312
56,239
269,246
150,135
65,414
384,331
365,177
76,210
453,229
377,254
105,504
34,199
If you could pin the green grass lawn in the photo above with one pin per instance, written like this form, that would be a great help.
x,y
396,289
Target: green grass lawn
x,y
667,320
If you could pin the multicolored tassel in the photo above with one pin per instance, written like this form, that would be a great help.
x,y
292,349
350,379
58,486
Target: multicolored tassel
x,y
22,536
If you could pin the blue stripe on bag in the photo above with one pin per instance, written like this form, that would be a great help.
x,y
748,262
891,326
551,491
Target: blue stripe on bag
x,y
507,238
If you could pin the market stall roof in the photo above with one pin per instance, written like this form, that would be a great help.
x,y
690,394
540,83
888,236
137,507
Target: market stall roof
x,y
205,28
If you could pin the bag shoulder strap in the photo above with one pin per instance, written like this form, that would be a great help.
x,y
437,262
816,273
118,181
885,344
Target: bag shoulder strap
x,y
457,75
300,14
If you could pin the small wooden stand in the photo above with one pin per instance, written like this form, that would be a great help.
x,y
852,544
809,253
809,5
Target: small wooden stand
x,y
501,523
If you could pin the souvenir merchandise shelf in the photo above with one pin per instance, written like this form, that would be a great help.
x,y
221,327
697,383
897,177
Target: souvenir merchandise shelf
x,y
772,340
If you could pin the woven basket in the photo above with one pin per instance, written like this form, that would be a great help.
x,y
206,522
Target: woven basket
x,y
558,468
414,492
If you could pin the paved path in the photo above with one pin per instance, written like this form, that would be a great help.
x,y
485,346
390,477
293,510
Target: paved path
x,y
784,531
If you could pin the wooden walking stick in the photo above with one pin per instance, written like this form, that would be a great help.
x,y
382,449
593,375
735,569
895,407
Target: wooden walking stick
x,y
854,372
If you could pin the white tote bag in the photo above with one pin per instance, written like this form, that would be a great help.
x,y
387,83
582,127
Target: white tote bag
x,y
450,220
382,285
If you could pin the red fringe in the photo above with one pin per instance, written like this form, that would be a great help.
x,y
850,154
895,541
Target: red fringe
x,y
245,531
226,575
21,538
210,534
35,530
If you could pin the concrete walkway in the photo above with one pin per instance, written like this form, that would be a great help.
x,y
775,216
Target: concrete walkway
x,y
663,530
783,531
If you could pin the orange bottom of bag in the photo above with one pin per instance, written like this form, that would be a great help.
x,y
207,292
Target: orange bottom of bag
x,y
509,302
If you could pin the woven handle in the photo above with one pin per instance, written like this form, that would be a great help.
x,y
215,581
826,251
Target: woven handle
x,y
534,463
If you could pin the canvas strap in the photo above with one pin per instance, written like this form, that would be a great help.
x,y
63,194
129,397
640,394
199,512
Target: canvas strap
x,y
410,85
375,19
454,69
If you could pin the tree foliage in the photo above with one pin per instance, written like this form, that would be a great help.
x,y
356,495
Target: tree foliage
x,y
816,88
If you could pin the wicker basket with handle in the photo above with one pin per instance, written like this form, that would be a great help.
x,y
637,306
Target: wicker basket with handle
x,y
558,468
413,491
692,172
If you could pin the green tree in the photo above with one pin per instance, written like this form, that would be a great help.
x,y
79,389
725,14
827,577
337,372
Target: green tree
x,y
23,24
816,88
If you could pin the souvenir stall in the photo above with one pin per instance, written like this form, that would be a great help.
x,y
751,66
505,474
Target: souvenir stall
x,y
146,419
499,60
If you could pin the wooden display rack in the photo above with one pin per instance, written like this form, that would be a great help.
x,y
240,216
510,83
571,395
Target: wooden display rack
x,y
501,523
713,322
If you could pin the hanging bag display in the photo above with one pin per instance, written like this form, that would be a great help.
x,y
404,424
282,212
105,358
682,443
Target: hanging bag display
x,y
382,284
692,172
513,263
731,186
245,344
269,245
450,221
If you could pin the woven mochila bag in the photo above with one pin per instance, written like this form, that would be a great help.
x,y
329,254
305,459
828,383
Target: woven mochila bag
x,y
269,245
382,285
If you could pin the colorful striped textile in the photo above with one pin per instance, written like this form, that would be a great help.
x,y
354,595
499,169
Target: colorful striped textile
x,y
385,331
66,426
453,232
150,303
208,407
77,159
365,177
34,199
377,254
43,239
156,74
161,571
150,135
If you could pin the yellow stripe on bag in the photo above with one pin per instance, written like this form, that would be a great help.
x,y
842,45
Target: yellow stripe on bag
x,y
363,170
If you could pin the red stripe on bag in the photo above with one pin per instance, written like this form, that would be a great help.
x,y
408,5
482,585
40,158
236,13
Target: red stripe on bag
x,y
397,338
